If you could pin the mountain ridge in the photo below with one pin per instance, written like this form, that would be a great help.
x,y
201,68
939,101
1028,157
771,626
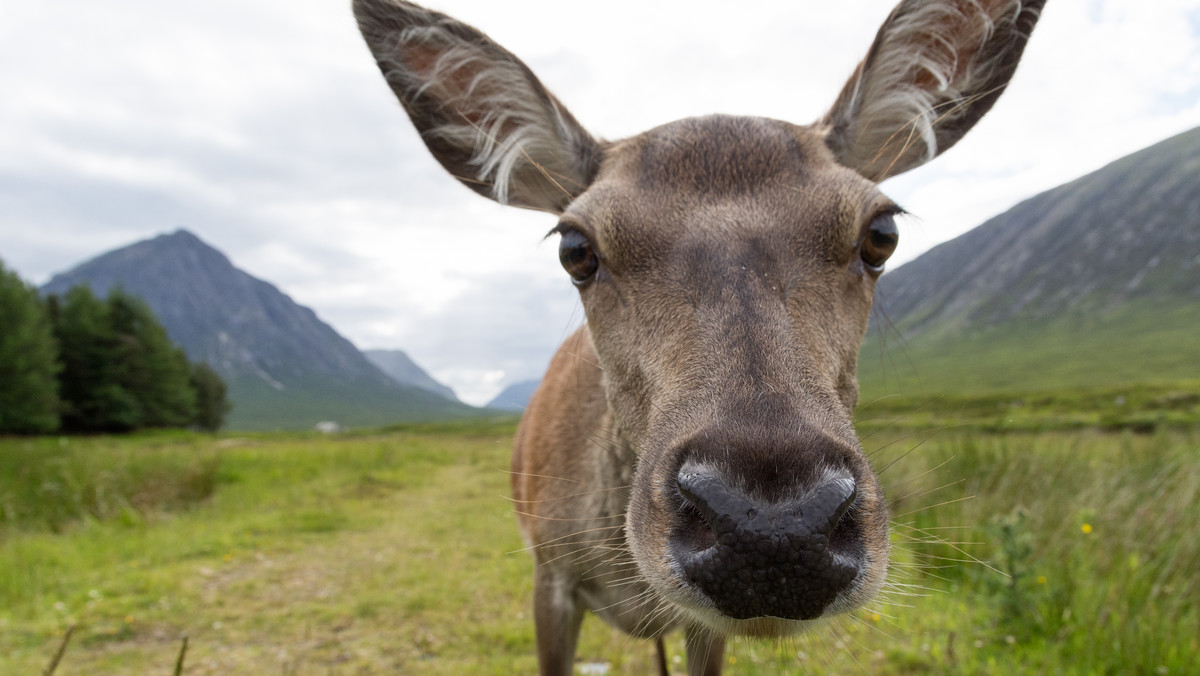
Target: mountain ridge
x,y
276,355
1094,282
515,397
1038,259
401,368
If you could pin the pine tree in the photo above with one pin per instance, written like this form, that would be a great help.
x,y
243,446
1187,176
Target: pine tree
x,y
93,399
211,402
154,372
28,360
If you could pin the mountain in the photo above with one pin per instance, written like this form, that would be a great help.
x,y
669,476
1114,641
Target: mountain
x,y
1094,282
285,367
404,370
515,397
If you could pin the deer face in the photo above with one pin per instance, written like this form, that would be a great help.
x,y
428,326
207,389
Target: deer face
x,y
720,262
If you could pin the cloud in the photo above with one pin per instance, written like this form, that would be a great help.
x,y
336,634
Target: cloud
x,y
493,334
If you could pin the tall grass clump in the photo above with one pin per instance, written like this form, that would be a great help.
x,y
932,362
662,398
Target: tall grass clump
x,y
50,483
1069,548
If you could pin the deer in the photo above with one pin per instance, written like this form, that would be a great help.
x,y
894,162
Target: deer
x,y
689,460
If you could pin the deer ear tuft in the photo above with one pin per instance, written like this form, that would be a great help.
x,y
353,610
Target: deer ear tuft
x,y
480,110
936,67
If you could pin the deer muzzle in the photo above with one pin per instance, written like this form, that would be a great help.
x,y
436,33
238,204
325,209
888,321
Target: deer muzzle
x,y
787,558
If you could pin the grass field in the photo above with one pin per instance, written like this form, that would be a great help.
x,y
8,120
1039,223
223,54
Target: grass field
x,y
1061,545
1147,341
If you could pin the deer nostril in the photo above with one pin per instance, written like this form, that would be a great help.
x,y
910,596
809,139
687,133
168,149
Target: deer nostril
x,y
692,530
715,504
821,512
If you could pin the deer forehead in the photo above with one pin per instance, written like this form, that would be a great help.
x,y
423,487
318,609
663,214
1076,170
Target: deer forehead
x,y
724,184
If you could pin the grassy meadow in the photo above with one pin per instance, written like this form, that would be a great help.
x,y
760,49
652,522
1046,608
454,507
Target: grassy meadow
x,y
1059,542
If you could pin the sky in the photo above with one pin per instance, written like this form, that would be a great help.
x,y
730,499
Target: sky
x,y
264,128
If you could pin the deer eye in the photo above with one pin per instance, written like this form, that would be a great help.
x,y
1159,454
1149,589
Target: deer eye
x,y
879,242
577,256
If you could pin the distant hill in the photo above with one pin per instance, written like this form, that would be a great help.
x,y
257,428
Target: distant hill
x,y
404,370
515,397
1096,282
285,367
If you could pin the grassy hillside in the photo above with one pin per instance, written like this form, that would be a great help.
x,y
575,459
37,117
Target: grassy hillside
x,y
1125,235
395,551
307,401
1094,284
1147,343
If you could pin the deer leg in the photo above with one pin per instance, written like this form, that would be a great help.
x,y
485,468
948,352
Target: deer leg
x,y
705,651
661,649
557,617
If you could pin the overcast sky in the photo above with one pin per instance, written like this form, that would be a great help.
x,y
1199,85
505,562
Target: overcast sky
x,y
264,128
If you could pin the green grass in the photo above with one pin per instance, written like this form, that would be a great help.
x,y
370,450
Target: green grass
x,y
1147,343
1141,408
306,401
395,551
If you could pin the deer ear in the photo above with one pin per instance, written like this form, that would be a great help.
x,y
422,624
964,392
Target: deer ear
x,y
935,68
479,109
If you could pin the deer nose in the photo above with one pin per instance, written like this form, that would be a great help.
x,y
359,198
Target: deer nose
x,y
755,559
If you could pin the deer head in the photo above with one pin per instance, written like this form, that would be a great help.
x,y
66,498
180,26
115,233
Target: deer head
x,y
726,266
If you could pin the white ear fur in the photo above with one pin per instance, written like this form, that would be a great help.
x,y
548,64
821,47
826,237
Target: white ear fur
x,y
935,68
479,109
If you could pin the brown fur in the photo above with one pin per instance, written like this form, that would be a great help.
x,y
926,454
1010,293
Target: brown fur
x,y
724,316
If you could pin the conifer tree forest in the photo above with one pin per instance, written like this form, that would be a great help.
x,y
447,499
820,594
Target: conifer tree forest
x,y
82,364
